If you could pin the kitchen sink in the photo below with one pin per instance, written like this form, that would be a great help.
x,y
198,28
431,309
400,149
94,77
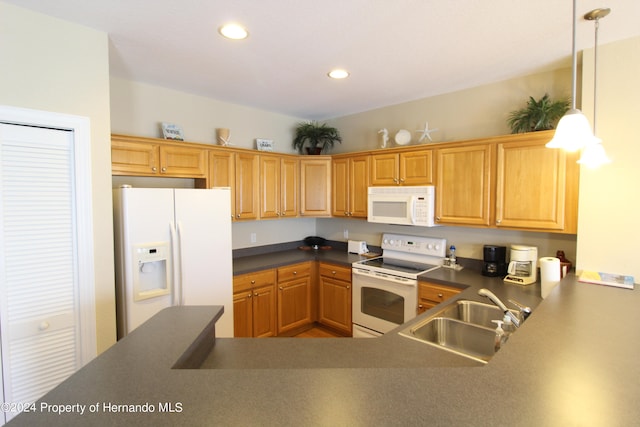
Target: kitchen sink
x,y
456,336
474,312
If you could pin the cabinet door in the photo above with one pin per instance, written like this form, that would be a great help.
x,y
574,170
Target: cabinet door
x,y
531,184
134,158
463,184
340,187
242,314
315,187
247,186
358,186
289,179
221,173
335,297
184,162
294,304
269,186
264,311
416,167
431,294
385,169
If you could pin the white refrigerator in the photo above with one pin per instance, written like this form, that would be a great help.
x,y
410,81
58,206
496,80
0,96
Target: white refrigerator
x,y
172,247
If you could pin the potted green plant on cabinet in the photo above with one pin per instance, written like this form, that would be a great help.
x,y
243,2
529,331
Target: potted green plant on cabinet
x,y
542,114
315,137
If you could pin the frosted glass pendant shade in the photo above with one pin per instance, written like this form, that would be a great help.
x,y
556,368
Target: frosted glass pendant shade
x,y
594,156
573,132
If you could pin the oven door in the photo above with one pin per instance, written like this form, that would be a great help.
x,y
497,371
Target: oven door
x,y
381,302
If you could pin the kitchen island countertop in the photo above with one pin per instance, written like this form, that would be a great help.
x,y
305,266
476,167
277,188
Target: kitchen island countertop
x,y
573,362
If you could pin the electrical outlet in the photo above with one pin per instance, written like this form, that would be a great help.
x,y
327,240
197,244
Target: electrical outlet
x,y
345,233
253,237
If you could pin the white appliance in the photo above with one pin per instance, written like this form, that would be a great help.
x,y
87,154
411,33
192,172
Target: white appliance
x,y
402,205
385,288
357,247
172,247
523,268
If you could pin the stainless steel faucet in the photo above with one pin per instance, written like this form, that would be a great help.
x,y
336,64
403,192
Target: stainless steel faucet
x,y
516,320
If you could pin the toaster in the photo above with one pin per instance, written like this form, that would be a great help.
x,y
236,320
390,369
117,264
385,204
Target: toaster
x,y
357,247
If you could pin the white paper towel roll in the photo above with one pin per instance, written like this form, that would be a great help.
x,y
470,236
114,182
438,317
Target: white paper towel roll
x,y
549,274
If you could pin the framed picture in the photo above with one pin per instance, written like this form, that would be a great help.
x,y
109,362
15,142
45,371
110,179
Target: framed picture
x,y
264,144
172,131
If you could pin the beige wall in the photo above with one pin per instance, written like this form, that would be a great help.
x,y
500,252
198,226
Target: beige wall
x,y
49,64
139,108
608,230
472,113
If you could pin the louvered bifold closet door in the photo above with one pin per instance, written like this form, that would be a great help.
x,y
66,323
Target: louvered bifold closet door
x,y
38,261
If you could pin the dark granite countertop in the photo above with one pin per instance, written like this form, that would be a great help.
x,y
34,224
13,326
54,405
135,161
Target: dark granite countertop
x,y
573,362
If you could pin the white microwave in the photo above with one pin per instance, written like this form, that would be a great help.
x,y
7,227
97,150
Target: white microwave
x,y
402,205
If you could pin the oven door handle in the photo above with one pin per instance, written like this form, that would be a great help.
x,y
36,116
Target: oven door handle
x,y
386,277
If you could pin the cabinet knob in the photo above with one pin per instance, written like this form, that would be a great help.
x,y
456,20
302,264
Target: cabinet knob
x,y
395,180
256,294
346,213
440,295
249,296
348,287
498,221
438,218
333,272
253,282
237,215
401,180
164,169
154,169
44,325
280,287
295,272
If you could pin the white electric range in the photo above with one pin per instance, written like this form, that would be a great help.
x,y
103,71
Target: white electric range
x,y
385,288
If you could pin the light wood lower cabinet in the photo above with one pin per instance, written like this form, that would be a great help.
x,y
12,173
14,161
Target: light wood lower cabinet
x,y
254,304
294,297
432,294
334,309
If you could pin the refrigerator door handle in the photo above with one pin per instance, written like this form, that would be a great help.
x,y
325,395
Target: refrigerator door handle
x,y
180,281
175,262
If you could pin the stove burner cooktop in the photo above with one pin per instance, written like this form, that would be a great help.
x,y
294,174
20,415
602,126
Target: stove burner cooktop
x,y
399,265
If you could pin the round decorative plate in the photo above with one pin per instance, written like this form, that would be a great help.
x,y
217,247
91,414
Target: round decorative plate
x,y
403,137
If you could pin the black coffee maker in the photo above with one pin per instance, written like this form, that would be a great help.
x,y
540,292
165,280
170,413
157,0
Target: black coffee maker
x,y
495,263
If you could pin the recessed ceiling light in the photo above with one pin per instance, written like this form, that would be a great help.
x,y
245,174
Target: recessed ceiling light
x,y
338,74
233,31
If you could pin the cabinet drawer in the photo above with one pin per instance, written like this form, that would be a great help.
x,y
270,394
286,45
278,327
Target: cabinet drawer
x,y
252,280
335,272
295,271
436,293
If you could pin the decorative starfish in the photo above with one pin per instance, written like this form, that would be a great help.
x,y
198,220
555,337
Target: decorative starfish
x,y
426,132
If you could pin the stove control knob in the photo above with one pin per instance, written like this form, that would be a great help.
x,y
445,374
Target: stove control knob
x,y
429,246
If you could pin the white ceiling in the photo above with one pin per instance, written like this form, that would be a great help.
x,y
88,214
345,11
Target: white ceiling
x,y
396,50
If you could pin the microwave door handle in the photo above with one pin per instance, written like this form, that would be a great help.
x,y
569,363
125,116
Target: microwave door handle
x,y
412,210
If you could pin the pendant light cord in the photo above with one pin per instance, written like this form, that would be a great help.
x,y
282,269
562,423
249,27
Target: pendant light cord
x,y
574,59
595,75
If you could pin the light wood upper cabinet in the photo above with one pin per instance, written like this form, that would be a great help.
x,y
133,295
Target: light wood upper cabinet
x,y
350,181
278,186
146,157
463,184
534,185
247,185
315,186
404,168
222,173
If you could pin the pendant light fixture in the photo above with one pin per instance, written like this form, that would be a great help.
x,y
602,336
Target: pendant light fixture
x,y
593,155
573,131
